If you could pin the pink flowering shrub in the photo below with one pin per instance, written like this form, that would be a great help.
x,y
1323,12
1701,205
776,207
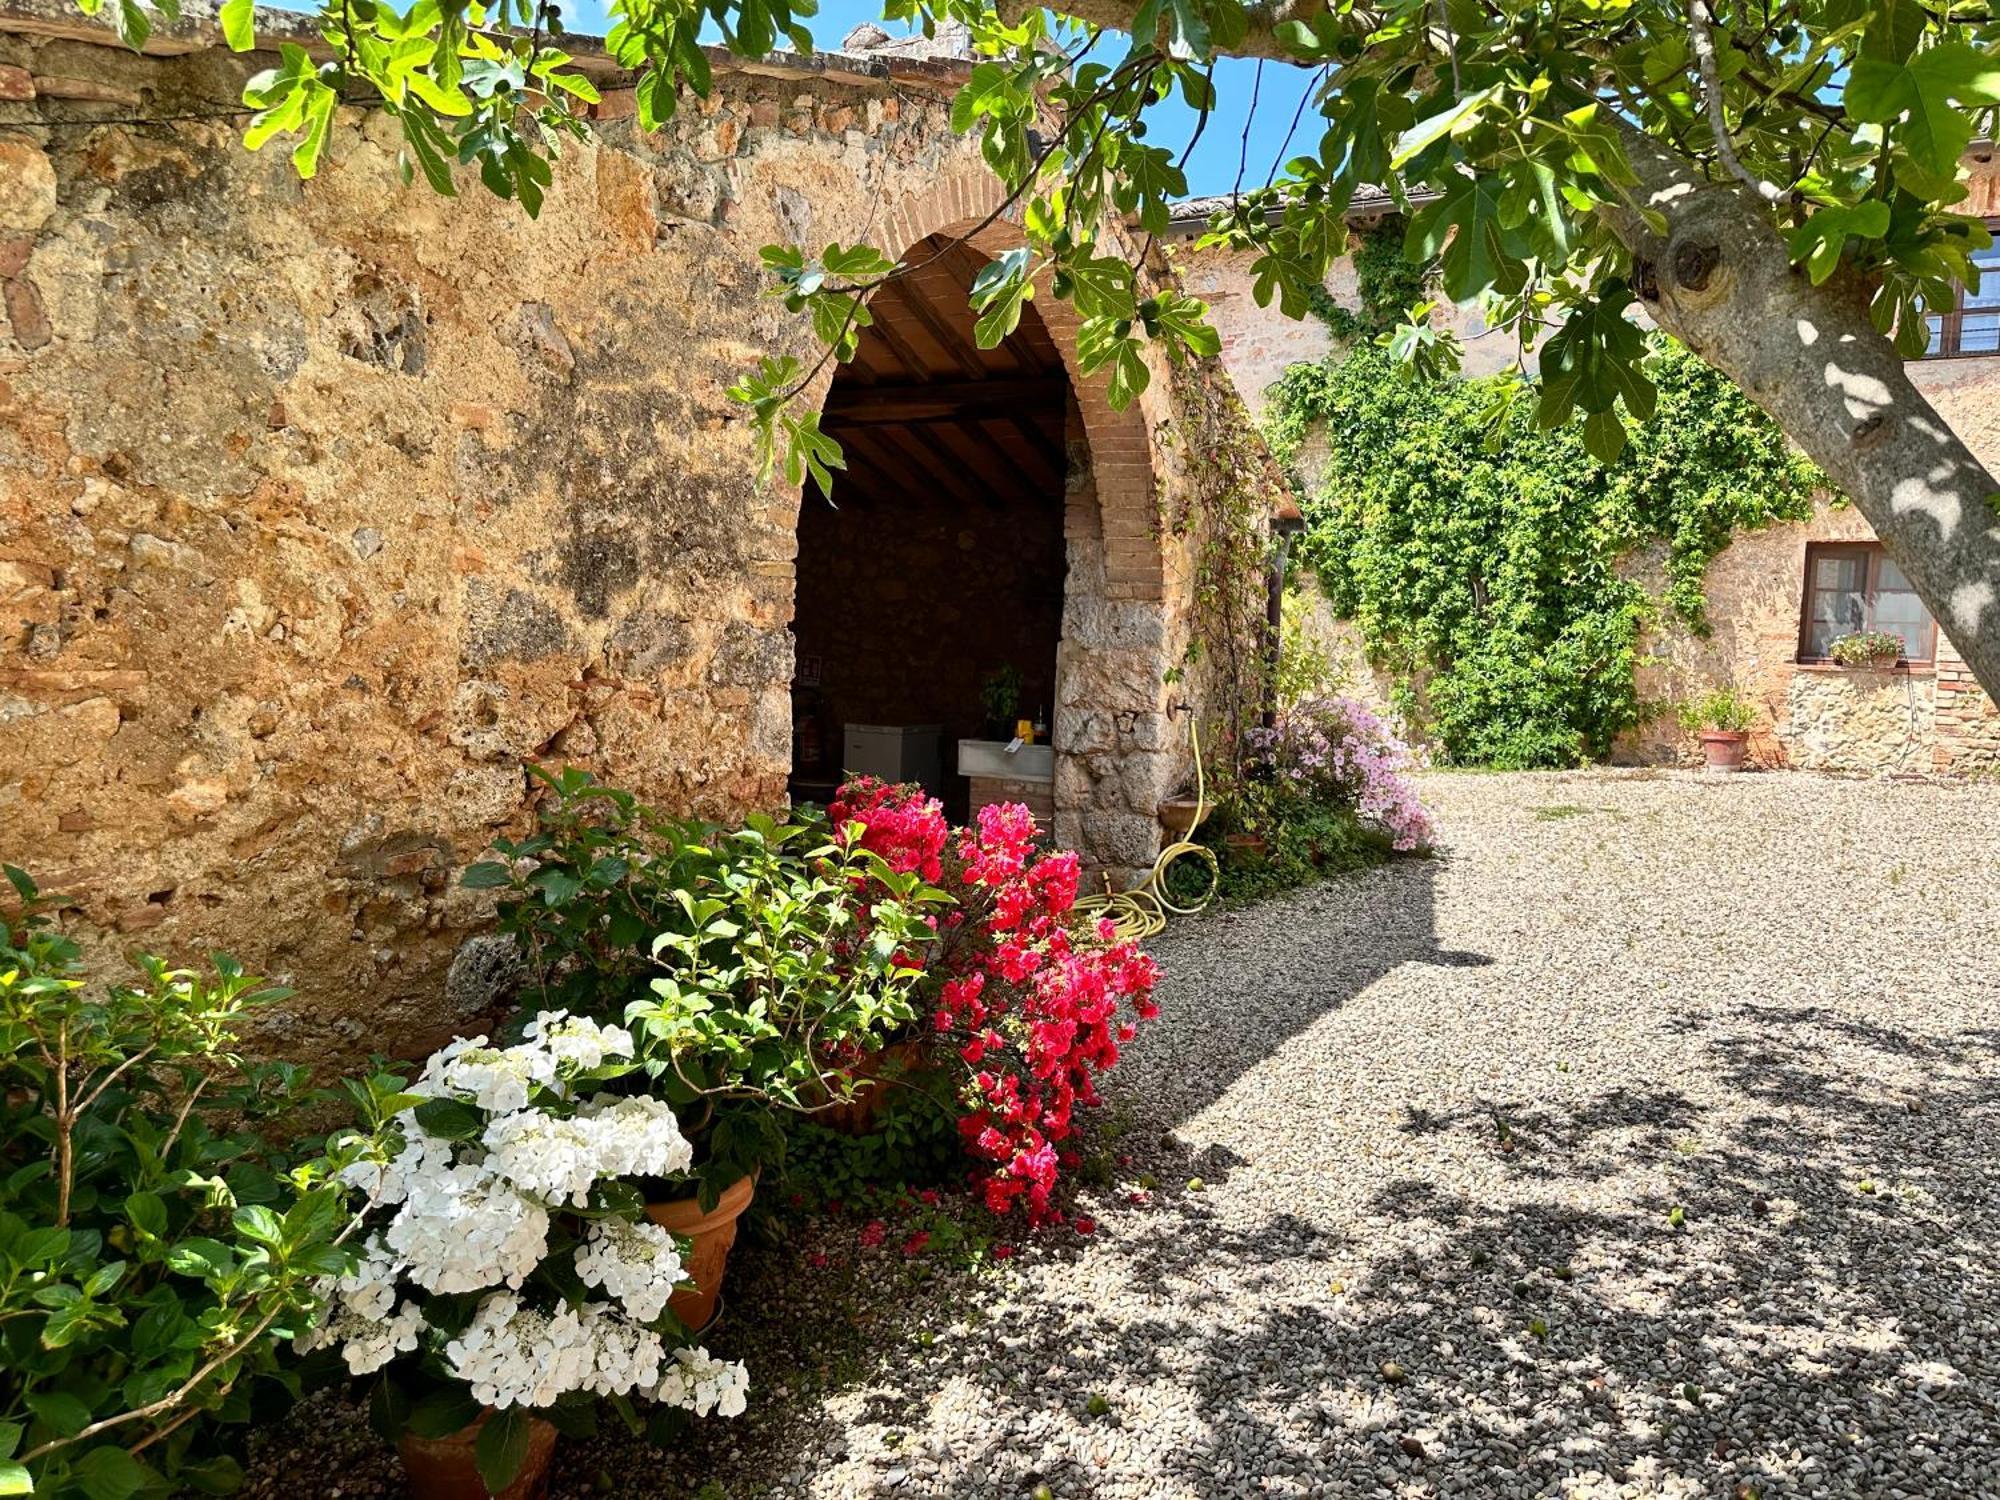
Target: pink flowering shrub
x,y
1336,751
1029,1005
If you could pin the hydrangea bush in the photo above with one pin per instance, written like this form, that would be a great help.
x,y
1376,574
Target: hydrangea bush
x,y
1030,1005
1337,752
506,1263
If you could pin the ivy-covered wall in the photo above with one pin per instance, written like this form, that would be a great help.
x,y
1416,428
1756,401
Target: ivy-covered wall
x,y
1482,560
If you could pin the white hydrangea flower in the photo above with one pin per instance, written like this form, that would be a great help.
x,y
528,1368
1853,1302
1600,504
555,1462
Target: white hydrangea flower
x,y
637,1137
549,1157
699,1382
577,1041
464,1229
639,1264
513,1355
423,1156
362,1314
497,1079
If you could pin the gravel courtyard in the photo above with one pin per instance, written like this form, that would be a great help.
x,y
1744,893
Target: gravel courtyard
x,y
1645,1143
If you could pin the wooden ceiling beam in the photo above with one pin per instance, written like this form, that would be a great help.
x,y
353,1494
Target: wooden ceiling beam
x,y
946,469
943,400
962,352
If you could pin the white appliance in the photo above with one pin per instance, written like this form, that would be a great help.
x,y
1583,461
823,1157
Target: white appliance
x,y
895,752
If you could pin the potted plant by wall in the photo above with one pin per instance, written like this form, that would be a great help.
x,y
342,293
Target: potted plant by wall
x,y
736,958
509,1281
1866,648
1721,720
1000,700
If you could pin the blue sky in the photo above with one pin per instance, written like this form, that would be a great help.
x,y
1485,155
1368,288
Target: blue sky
x,y
1213,167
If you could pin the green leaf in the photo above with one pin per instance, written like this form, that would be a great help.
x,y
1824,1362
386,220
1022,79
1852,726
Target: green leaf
x,y
1920,98
1592,362
65,1414
487,875
450,1119
14,1480
1818,243
502,1448
440,1413
239,24
1465,232
147,1211
206,1259
1441,124
110,1473
257,1222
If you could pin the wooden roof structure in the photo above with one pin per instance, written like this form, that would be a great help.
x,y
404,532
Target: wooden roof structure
x,y
923,410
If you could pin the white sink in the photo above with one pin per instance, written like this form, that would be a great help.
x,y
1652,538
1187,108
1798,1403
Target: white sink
x,y
990,758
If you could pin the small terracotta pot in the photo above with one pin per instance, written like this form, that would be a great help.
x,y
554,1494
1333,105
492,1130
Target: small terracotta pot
x,y
1245,848
444,1468
1724,749
857,1116
710,1234
1177,815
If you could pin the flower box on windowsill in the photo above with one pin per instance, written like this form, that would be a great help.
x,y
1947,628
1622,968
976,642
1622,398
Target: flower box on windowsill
x,y
1900,668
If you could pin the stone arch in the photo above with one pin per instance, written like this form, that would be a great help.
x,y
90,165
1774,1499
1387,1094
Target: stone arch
x,y
1112,735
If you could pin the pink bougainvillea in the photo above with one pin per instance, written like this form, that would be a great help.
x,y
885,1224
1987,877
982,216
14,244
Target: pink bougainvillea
x,y
1033,1004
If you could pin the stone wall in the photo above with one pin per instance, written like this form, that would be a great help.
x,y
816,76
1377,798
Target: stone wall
x,y
327,507
1915,720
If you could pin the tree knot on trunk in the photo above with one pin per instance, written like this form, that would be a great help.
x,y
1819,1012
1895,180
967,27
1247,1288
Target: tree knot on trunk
x,y
1696,262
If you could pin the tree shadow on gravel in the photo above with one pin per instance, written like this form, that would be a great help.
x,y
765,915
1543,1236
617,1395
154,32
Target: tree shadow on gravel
x,y
1798,1333
1239,984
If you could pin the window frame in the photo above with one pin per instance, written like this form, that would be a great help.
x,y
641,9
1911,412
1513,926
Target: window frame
x,y
1951,325
1873,555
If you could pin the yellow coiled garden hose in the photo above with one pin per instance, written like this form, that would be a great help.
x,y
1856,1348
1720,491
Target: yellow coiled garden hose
x,y
1143,911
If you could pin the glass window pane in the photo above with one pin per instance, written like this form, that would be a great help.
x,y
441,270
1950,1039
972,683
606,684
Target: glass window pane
x,y
1935,323
1979,332
1838,602
1894,578
1984,290
1902,613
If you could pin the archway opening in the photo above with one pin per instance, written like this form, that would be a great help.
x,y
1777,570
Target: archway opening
x,y
930,590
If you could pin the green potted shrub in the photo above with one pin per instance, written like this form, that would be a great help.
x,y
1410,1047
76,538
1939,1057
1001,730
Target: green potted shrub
x,y
1721,721
736,956
157,1252
1866,648
1000,699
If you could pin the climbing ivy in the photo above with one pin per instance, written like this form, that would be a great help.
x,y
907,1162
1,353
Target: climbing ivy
x,y
1388,283
1489,564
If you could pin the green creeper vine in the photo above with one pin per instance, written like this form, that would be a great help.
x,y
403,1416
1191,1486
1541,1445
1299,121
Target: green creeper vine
x,y
1488,562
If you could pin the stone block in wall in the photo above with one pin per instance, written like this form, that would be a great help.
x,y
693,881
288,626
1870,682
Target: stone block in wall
x,y
1121,838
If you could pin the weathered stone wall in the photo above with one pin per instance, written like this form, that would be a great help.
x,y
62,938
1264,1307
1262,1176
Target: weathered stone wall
x,y
1899,720
326,507
1259,343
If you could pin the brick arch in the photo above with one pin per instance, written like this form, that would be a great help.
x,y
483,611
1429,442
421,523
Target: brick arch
x,y
1121,456
1112,733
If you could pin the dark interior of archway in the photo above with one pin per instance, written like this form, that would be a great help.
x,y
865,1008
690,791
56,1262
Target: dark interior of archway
x,y
939,562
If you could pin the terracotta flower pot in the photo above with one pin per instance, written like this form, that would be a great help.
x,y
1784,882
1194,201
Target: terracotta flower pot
x,y
1245,848
872,1077
444,1468
1724,749
1177,815
711,1234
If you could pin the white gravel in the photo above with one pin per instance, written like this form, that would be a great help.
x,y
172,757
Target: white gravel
x,y
1445,1117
